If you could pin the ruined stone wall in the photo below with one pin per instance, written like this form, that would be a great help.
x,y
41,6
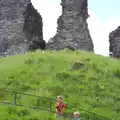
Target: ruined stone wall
x,y
20,24
114,40
72,31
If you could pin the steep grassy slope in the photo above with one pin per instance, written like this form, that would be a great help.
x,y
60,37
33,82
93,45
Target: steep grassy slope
x,y
88,81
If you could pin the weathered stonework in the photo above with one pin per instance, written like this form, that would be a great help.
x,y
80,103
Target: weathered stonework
x,y
114,40
72,31
20,23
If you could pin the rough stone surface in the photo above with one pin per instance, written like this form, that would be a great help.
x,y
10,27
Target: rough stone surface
x,y
72,31
20,23
114,40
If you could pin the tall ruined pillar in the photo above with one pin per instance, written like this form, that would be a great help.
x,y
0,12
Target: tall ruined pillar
x,y
72,31
20,26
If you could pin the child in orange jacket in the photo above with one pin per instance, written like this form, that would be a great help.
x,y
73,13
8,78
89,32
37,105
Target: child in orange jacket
x,y
60,106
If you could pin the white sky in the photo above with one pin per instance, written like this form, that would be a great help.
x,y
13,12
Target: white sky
x,y
99,29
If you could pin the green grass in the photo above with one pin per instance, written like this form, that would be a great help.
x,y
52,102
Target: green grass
x,y
86,80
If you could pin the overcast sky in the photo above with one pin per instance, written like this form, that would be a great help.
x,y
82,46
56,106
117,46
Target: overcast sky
x,y
104,17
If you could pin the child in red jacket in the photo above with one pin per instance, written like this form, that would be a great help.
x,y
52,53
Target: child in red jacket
x,y
60,106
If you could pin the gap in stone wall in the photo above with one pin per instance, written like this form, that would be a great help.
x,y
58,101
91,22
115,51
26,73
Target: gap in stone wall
x,y
50,11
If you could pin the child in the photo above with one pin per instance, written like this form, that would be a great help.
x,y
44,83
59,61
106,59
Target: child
x,y
60,106
76,116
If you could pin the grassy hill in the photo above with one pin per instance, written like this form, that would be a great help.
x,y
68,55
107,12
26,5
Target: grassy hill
x,y
88,81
